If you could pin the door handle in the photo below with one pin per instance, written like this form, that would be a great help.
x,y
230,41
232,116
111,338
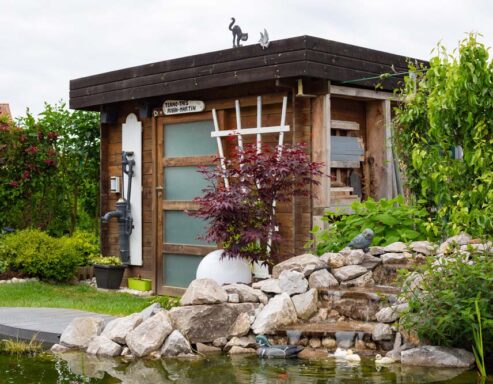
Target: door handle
x,y
159,189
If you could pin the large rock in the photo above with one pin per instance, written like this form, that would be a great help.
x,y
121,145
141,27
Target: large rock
x,y
381,332
241,326
432,356
396,247
278,312
118,329
353,256
305,264
333,260
392,313
103,346
268,286
460,239
395,258
322,279
242,351
175,345
205,323
243,342
246,293
365,280
204,291
80,331
205,349
150,334
349,272
306,303
370,262
424,247
151,310
292,282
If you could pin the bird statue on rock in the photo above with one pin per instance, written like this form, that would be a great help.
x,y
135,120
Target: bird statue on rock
x,y
266,349
362,241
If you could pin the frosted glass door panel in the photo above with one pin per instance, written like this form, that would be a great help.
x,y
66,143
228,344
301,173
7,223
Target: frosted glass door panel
x,y
180,270
179,228
183,183
189,139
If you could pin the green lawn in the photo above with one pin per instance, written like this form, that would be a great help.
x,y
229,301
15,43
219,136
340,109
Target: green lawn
x,y
81,296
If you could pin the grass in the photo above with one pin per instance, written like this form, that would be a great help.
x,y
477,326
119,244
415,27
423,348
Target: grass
x,y
81,296
19,347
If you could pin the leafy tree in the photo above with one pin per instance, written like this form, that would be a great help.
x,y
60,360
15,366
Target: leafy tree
x,y
447,107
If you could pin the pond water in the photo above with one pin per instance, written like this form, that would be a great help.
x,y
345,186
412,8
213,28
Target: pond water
x,y
77,368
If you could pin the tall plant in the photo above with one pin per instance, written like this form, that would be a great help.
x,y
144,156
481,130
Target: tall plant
x,y
242,217
445,109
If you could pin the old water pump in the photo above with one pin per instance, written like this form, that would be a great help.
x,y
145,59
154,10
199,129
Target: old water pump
x,y
123,211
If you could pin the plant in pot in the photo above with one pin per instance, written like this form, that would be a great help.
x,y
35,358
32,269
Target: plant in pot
x,y
108,271
242,216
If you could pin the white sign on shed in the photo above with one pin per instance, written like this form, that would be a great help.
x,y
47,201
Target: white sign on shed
x,y
176,107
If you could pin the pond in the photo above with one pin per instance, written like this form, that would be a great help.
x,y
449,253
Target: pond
x,y
78,368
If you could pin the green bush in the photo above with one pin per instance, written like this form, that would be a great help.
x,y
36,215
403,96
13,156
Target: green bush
x,y
444,312
37,254
391,220
106,260
86,245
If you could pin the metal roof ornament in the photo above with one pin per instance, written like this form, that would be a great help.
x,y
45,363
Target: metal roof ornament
x,y
238,35
264,39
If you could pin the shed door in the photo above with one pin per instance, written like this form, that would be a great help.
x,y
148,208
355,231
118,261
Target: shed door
x,y
184,142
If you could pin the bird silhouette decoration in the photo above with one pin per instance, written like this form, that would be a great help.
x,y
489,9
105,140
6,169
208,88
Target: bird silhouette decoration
x,y
264,39
362,241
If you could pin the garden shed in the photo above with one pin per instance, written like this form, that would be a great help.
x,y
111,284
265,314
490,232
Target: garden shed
x,y
163,113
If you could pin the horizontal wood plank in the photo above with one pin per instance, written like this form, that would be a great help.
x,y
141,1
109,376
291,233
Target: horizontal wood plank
x,y
179,205
344,125
188,161
185,249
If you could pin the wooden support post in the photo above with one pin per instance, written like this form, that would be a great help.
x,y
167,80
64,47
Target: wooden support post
x,y
389,159
220,148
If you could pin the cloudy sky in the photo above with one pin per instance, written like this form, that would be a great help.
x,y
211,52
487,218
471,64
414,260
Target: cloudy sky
x,y
45,43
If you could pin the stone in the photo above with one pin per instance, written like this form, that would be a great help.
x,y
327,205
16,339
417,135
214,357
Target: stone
x,y
58,348
320,316
268,286
103,346
394,258
392,313
349,272
150,311
433,356
241,326
242,351
204,291
370,262
365,280
220,342
306,303
292,282
329,343
205,349
206,323
118,329
306,264
126,352
315,342
376,250
245,292
413,281
424,247
262,297
353,256
233,298
371,345
243,342
322,279
175,344
333,260
460,239
382,331
150,334
310,353
80,331
278,312
359,345
396,247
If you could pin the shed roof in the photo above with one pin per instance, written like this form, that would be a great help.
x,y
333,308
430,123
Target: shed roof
x,y
304,56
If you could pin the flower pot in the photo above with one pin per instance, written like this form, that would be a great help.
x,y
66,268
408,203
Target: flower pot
x,y
139,284
225,270
109,276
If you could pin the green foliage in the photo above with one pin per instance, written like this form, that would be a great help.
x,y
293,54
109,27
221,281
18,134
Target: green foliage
x,y
20,347
86,244
50,171
106,260
477,348
391,220
446,308
37,254
450,105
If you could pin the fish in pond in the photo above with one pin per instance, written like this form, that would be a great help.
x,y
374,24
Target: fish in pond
x,y
362,241
266,349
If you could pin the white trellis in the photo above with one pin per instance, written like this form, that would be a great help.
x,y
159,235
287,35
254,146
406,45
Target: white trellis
x,y
239,132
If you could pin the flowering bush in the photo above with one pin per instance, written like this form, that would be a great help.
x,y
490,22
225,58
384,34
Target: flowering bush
x,y
241,218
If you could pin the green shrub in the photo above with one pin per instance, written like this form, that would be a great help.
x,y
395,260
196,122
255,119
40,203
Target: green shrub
x,y
86,245
37,254
444,312
106,260
391,220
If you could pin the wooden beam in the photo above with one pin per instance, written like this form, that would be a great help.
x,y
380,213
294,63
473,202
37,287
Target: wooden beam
x,y
344,125
179,205
188,161
186,249
345,164
360,93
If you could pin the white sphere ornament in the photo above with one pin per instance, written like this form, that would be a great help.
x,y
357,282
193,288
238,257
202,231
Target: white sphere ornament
x,y
226,270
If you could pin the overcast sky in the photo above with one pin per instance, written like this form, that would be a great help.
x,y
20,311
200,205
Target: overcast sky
x,y
44,44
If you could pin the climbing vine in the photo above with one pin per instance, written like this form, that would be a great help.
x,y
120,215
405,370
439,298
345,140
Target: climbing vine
x,y
445,110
